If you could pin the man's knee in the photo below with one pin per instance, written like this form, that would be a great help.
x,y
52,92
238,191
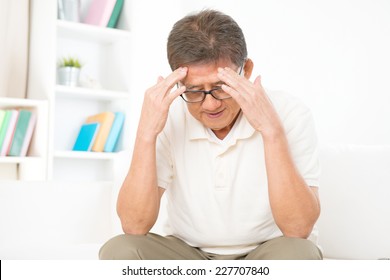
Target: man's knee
x,y
123,247
287,248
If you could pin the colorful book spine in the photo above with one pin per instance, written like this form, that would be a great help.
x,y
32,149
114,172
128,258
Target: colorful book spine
x,y
86,137
106,120
4,127
115,131
20,133
61,13
28,136
99,12
2,115
112,23
10,132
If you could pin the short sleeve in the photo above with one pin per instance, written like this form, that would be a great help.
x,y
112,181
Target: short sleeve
x,y
303,143
301,134
163,161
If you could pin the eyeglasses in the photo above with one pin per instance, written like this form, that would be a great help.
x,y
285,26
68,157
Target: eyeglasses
x,y
196,96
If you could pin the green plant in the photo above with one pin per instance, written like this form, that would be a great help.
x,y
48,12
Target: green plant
x,y
69,62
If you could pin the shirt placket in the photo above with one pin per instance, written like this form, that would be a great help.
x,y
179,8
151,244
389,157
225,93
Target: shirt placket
x,y
221,169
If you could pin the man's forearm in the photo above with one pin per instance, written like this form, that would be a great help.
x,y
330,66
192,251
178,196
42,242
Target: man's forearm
x,y
139,197
295,206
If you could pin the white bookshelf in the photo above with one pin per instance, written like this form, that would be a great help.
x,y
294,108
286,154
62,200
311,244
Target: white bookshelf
x,y
105,54
85,155
33,165
91,33
103,51
93,94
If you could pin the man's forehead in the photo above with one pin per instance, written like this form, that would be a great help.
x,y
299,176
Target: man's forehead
x,y
201,74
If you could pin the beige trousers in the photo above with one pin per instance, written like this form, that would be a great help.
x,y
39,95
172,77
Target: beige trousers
x,y
156,247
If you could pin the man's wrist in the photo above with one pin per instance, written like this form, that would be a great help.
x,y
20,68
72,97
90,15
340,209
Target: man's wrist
x,y
146,136
273,135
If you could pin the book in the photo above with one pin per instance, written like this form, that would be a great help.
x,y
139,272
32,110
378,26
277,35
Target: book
x,y
10,132
2,120
86,137
99,12
4,127
20,133
61,13
115,131
113,21
2,115
106,120
28,135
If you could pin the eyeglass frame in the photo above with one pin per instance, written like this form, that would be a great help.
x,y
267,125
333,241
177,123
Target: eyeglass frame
x,y
205,92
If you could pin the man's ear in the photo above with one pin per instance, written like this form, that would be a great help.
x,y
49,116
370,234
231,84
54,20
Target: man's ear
x,y
248,67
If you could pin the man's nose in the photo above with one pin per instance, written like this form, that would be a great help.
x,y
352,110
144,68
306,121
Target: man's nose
x,y
210,103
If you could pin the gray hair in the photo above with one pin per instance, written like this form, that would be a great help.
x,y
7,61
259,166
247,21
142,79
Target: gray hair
x,y
206,37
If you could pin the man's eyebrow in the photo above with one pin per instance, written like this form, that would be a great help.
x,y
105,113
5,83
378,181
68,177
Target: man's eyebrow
x,y
191,86
199,86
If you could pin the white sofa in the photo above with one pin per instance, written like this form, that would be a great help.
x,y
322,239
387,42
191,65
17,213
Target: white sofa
x,y
42,221
45,220
355,198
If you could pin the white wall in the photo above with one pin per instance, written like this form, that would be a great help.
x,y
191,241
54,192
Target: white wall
x,y
332,54
151,22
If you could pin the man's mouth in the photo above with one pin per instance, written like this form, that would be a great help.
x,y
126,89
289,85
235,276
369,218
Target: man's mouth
x,y
215,115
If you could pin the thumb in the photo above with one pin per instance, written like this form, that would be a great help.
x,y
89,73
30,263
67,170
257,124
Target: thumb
x,y
257,81
159,79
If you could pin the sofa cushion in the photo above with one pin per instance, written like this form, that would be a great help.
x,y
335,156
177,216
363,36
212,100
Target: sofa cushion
x,y
355,202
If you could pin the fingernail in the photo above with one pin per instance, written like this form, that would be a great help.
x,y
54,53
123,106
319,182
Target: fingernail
x,y
220,69
183,69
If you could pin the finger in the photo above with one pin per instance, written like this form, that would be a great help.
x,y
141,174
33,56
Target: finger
x,y
233,73
174,94
257,81
159,79
234,81
258,86
173,78
234,94
232,78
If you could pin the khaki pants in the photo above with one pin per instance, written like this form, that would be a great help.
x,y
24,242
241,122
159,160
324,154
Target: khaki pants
x,y
156,247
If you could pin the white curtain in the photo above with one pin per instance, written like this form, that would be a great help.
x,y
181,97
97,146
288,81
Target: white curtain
x,y
14,42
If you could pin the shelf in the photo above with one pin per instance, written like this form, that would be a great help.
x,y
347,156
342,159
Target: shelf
x,y
88,93
32,166
82,31
19,102
17,160
85,155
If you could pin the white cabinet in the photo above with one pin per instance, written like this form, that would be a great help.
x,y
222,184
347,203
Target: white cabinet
x,y
105,54
34,165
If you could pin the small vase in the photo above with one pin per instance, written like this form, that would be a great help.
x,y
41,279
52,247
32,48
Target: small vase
x,y
68,76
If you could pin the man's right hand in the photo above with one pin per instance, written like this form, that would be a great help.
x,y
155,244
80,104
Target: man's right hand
x,y
157,101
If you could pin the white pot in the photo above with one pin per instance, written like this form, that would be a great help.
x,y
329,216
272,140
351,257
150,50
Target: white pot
x,y
68,76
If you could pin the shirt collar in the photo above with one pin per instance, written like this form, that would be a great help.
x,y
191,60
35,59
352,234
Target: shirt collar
x,y
195,129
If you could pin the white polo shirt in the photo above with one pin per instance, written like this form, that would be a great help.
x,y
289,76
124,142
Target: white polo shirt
x,y
217,193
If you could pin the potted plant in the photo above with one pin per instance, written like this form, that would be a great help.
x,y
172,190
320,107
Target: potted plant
x,y
69,71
